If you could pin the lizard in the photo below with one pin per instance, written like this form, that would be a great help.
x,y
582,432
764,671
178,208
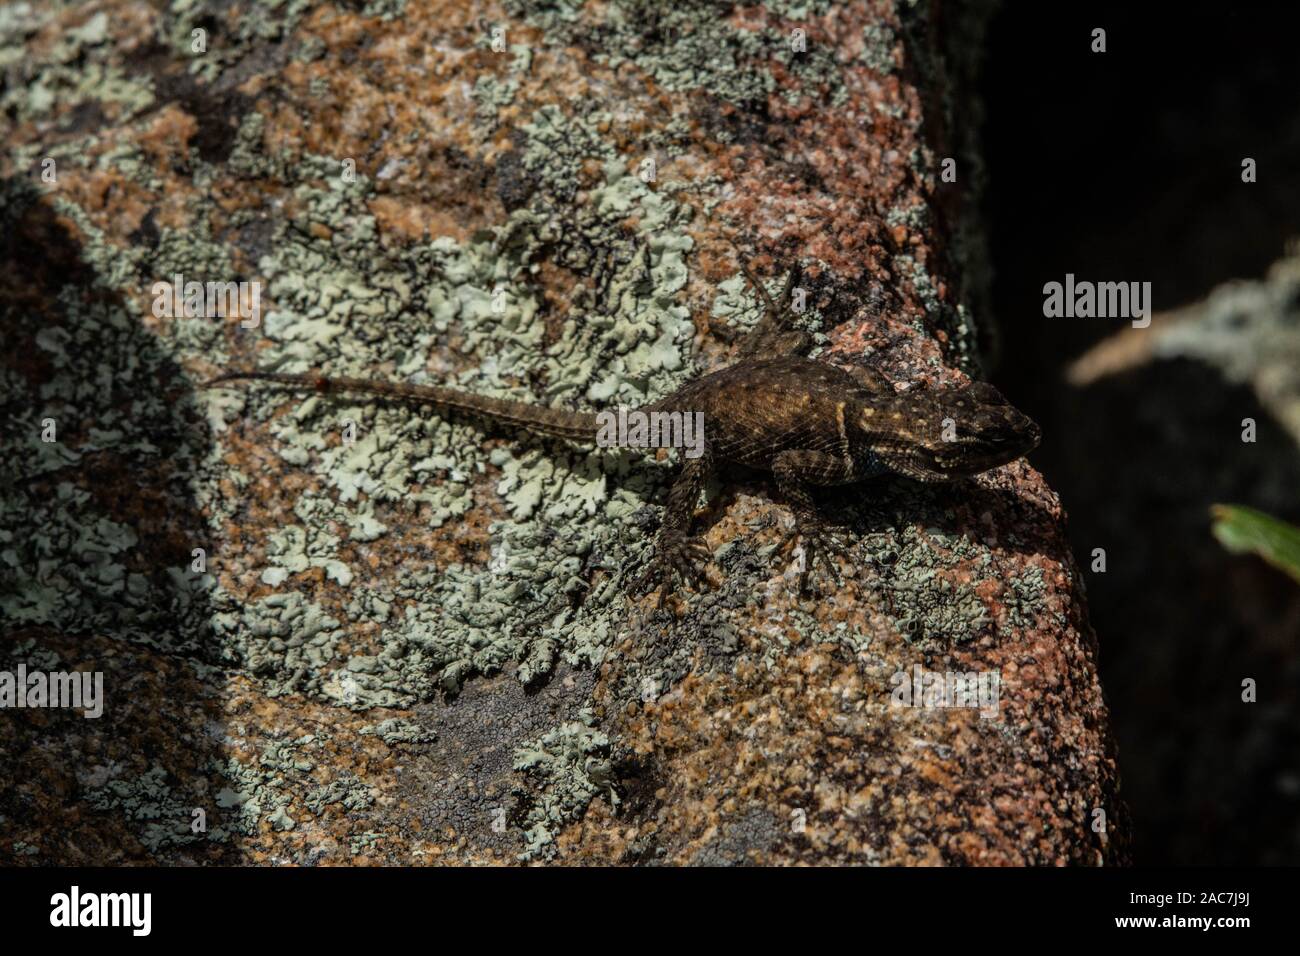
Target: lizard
x,y
807,422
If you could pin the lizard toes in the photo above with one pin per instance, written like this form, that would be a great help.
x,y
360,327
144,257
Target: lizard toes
x,y
819,544
681,563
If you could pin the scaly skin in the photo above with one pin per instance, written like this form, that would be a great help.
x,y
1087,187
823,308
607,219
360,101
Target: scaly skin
x,y
807,422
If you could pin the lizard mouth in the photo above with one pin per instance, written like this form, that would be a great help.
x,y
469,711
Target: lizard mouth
x,y
974,463
1001,447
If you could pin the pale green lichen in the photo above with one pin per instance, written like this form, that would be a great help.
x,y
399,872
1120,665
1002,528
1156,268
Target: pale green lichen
x,y
491,93
396,730
74,75
151,799
879,48
69,564
955,320
347,792
930,607
278,788
464,619
225,41
568,767
384,9
694,45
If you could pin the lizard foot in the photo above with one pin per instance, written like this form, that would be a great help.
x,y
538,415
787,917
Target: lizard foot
x,y
820,541
679,561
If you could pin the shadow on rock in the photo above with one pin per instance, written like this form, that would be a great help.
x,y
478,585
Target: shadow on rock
x,y
98,528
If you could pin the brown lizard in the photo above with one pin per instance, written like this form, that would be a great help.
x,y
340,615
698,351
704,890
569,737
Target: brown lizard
x,y
807,422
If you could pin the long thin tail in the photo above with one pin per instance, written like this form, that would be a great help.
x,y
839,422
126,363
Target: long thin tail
x,y
556,422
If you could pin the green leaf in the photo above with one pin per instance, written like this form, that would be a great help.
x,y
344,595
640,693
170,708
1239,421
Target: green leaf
x,y
1241,530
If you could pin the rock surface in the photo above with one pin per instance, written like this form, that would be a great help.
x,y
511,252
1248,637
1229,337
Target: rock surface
x,y
408,641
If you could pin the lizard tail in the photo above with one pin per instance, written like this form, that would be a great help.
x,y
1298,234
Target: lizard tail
x,y
556,422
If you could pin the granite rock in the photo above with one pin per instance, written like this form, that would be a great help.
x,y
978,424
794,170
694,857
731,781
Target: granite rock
x,y
336,633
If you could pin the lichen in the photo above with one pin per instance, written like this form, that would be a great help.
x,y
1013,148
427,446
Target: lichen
x,y
151,798
397,730
73,76
692,45
330,296
568,767
230,39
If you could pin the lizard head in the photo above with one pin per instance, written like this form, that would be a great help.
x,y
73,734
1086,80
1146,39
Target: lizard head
x,y
952,433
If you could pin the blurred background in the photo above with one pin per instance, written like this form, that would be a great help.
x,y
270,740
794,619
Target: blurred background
x,y
1126,166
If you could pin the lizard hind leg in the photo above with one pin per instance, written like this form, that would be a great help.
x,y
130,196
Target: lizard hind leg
x,y
774,336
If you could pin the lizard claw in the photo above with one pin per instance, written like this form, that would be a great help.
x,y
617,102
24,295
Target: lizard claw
x,y
680,561
820,541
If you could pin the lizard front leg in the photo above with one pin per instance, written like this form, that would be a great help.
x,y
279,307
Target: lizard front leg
x,y
795,471
679,556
